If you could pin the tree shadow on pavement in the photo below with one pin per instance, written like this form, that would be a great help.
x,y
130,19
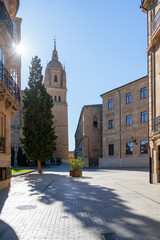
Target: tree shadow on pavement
x,y
5,229
97,208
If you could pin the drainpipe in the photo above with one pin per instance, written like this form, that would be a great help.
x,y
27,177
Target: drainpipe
x,y
150,159
120,125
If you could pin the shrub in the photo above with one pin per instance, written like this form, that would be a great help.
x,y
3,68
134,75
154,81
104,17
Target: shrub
x,y
76,164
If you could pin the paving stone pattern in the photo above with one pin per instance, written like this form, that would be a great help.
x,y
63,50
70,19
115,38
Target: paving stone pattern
x,y
55,206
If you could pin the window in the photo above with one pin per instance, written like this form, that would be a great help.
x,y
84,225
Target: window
x,y
129,148
55,98
143,93
55,78
128,98
59,99
110,104
129,120
2,56
110,124
95,123
111,149
143,117
144,147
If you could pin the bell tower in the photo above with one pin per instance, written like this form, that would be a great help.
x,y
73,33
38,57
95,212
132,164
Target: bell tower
x,y
55,83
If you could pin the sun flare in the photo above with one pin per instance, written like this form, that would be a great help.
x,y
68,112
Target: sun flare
x,y
20,49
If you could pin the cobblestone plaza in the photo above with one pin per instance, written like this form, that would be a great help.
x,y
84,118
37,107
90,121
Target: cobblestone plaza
x,y
56,206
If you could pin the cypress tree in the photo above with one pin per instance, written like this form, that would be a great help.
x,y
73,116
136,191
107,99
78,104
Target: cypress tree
x,y
39,138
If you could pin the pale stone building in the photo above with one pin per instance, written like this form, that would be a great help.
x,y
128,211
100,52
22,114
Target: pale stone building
x,y
55,83
125,126
10,81
115,134
152,8
88,136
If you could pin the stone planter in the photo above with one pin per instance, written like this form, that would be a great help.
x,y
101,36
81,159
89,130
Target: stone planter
x,y
76,173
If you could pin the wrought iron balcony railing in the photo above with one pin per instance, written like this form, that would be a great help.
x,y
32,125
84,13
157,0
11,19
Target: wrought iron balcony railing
x,y
2,144
5,19
156,124
8,81
156,22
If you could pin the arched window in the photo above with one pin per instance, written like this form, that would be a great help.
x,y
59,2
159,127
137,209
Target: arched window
x,y
59,99
55,78
95,123
55,98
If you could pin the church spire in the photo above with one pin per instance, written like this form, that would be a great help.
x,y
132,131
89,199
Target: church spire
x,y
54,43
55,54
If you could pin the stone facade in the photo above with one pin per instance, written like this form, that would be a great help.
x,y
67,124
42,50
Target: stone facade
x,y
115,134
125,126
88,139
55,83
10,72
152,8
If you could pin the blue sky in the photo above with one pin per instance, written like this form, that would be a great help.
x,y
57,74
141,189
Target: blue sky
x,y
102,44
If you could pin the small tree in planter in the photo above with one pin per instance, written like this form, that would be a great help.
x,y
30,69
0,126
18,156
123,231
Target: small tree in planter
x,y
76,166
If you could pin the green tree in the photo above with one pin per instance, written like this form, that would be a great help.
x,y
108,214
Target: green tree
x,y
39,141
19,157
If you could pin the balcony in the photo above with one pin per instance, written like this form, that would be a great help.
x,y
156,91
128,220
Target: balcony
x,y
5,20
156,22
156,124
8,81
155,32
2,145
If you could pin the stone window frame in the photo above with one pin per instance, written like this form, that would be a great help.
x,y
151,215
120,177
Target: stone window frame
x,y
111,150
143,93
110,104
55,78
129,120
110,124
128,98
129,148
144,117
145,150
59,98
55,98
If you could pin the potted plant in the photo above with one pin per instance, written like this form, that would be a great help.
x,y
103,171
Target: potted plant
x,y
76,166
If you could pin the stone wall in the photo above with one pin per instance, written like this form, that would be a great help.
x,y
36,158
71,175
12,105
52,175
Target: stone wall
x,y
88,137
121,134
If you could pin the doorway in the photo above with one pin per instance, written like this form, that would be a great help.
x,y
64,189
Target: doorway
x,y
93,162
